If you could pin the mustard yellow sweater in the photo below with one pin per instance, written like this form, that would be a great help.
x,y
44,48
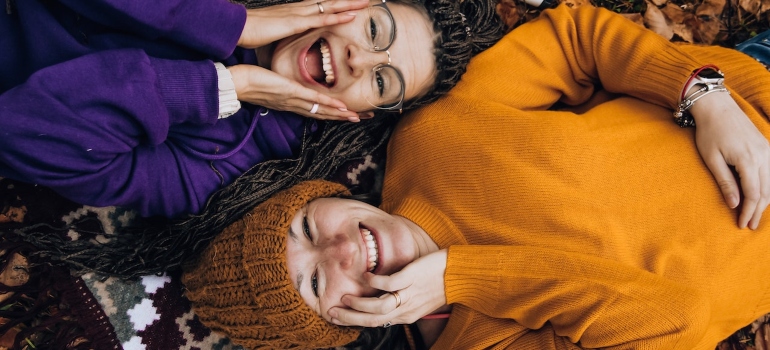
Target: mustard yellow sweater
x,y
594,229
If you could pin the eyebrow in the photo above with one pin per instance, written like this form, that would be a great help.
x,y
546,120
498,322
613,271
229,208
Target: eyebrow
x,y
300,277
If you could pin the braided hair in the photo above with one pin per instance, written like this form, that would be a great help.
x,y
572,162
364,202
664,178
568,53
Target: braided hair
x,y
154,246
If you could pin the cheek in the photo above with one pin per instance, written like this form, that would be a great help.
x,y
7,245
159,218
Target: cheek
x,y
354,100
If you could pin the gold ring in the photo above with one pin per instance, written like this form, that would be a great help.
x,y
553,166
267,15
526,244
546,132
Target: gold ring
x,y
320,7
398,298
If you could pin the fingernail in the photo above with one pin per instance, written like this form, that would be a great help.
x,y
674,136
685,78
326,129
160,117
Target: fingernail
x,y
336,321
350,13
354,119
732,201
332,313
343,109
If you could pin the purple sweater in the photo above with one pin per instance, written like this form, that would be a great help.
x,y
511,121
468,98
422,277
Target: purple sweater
x,y
114,102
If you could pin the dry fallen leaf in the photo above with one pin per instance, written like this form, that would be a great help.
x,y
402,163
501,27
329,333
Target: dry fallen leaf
x,y
711,8
507,10
657,21
764,7
674,13
750,6
13,214
706,29
574,3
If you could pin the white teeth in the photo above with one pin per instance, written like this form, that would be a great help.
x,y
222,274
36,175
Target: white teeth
x,y
327,62
371,246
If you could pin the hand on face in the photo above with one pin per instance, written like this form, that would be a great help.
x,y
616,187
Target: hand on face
x,y
420,286
262,87
725,136
269,24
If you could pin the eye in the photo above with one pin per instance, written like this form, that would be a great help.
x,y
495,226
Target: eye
x,y
314,283
380,82
306,229
372,29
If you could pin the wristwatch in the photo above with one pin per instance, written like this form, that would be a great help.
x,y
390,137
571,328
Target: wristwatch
x,y
709,77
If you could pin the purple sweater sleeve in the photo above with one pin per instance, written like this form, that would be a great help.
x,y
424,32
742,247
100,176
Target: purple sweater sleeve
x,y
209,26
95,128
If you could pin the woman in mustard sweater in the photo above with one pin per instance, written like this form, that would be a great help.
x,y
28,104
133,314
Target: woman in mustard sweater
x,y
510,223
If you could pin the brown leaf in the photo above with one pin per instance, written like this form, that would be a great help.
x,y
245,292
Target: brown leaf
x,y
16,272
656,21
509,13
634,17
574,3
7,339
684,31
711,8
675,13
750,6
705,29
659,3
13,214
764,7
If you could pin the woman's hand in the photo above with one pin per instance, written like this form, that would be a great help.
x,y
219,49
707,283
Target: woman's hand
x,y
726,136
272,23
420,286
263,87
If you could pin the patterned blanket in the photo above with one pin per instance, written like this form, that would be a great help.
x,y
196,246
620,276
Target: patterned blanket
x,y
150,313
93,312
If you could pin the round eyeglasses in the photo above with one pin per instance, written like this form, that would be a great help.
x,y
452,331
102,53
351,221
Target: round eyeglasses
x,y
387,83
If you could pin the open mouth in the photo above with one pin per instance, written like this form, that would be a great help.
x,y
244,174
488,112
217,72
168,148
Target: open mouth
x,y
318,63
372,249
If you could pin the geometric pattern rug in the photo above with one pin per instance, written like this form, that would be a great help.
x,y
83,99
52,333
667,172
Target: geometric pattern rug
x,y
147,314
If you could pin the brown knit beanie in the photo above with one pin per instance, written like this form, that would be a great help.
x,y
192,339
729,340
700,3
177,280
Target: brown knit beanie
x,y
240,285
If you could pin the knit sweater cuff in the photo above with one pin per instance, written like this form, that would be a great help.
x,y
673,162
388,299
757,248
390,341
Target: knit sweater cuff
x,y
665,75
470,279
189,90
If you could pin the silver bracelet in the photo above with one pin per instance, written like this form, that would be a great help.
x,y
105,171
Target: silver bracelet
x,y
228,99
684,119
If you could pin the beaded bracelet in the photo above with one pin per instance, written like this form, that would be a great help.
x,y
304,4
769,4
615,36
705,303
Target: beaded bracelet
x,y
684,119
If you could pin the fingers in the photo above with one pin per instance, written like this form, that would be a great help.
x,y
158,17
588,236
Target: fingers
x,y
335,6
382,305
764,196
334,11
725,179
751,187
328,108
325,112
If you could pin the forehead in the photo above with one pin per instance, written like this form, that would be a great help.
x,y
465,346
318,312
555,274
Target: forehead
x,y
412,51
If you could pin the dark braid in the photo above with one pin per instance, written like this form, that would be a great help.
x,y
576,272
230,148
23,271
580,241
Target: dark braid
x,y
467,27
155,247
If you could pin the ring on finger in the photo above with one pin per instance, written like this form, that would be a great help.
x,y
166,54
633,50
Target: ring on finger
x,y
320,7
314,108
387,324
398,298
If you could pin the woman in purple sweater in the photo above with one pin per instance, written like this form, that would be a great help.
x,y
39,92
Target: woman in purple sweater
x,y
138,103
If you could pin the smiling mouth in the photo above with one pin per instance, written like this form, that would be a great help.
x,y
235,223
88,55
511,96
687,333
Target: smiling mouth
x,y
318,63
372,249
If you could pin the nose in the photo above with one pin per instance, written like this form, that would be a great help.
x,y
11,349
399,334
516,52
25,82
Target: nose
x,y
341,250
361,60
